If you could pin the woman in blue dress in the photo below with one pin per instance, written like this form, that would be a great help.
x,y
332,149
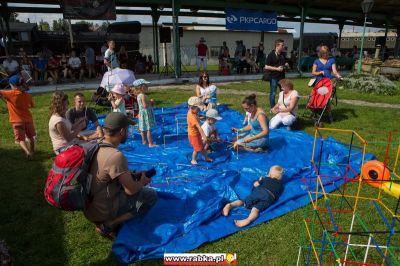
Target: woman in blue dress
x,y
255,135
324,67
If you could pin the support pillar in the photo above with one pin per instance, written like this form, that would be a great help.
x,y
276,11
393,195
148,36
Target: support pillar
x,y
384,46
397,46
5,14
341,25
176,5
155,17
303,17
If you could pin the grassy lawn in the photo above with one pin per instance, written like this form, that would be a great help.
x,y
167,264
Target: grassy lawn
x,y
42,235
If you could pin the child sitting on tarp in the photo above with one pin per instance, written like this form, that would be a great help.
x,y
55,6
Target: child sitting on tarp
x,y
266,191
209,130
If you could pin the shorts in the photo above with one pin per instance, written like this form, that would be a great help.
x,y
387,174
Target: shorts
x,y
137,204
196,142
260,198
23,130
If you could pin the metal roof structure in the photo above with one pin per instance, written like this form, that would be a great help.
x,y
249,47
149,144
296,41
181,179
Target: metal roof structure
x,y
384,12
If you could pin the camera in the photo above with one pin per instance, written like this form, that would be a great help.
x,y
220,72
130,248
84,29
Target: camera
x,y
138,175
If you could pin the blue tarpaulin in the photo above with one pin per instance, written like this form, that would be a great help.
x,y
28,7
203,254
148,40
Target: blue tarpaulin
x,y
190,198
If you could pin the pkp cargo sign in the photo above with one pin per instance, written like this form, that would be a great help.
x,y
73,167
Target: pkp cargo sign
x,y
242,19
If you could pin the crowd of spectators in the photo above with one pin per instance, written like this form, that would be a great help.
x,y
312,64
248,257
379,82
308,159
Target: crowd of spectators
x,y
76,64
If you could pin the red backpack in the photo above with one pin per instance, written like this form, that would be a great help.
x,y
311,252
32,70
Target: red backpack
x,y
68,183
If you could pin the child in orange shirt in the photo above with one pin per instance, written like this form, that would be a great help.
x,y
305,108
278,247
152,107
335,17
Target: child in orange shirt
x,y
196,135
18,104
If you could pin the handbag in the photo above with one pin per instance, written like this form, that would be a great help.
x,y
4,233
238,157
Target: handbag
x,y
266,76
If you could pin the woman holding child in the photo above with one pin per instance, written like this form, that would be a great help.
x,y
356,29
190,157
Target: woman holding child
x,y
205,91
61,131
256,133
286,109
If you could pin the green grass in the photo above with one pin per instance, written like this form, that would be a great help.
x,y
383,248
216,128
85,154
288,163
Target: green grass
x,y
300,84
42,235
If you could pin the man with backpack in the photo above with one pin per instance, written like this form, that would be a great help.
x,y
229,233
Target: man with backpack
x,y
115,196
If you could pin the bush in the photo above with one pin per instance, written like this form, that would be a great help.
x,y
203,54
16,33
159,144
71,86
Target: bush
x,y
366,83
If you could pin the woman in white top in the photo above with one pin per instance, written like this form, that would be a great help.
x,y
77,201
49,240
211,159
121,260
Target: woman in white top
x,y
286,109
207,92
61,131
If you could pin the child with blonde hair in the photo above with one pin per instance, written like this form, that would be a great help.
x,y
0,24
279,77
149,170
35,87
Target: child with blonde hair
x,y
147,120
117,100
266,190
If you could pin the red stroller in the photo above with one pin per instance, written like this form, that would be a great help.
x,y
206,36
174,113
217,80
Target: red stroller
x,y
320,100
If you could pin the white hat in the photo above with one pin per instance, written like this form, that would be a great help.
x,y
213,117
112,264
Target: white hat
x,y
212,113
119,88
139,82
196,101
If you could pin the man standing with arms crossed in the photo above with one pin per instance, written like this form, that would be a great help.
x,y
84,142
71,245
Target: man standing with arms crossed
x,y
275,65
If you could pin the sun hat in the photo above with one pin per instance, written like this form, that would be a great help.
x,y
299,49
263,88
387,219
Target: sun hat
x,y
275,171
117,120
196,101
119,88
212,113
139,82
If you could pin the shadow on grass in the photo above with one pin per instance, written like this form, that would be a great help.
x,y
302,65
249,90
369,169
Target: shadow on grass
x,y
33,230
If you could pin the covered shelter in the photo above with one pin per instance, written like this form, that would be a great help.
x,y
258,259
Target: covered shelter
x,y
384,14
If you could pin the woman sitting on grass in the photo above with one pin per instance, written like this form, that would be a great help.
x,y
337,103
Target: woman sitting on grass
x,y
256,136
61,131
286,109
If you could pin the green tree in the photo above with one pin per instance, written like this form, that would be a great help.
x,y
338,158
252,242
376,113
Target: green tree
x,y
13,17
90,24
104,26
44,25
58,25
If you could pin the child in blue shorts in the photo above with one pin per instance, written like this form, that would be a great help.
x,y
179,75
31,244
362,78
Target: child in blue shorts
x,y
266,191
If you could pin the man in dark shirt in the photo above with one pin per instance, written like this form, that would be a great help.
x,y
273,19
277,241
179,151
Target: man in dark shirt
x,y
80,111
275,64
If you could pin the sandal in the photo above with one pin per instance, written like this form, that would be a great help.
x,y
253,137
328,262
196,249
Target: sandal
x,y
105,231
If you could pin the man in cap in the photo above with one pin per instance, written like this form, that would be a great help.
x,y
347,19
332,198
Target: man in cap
x,y
18,104
202,54
116,195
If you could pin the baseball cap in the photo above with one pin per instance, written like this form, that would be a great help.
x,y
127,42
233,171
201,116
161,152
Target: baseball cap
x,y
196,101
15,80
212,113
117,120
139,82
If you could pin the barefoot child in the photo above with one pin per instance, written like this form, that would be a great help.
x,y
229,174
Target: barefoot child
x,y
196,135
265,191
208,127
18,104
147,119
117,99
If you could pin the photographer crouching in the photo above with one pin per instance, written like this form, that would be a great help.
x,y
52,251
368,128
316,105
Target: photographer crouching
x,y
117,194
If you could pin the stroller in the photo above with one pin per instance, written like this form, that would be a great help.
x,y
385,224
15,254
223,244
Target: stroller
x,y
320,100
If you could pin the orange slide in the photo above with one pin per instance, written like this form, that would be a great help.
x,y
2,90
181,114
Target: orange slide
x,y
379,176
